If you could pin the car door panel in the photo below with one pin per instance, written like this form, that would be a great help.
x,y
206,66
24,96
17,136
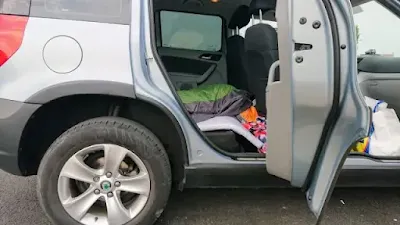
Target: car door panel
x,y
352,125
306,112
194,68
174,64
379,78
317,98
354,117
379,64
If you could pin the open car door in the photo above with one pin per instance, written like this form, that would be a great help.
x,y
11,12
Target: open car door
x,y
316,111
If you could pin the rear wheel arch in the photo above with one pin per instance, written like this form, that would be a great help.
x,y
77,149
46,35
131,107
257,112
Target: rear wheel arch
x,y
82,87
56,116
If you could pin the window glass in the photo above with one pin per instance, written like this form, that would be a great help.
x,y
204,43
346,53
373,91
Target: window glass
x,y
190,31
376,29
15,7
103,11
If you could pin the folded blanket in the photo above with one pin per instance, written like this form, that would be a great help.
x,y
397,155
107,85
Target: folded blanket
x,y
214,100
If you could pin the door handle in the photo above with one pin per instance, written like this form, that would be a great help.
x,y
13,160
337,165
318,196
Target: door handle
x,y
373,83
206,57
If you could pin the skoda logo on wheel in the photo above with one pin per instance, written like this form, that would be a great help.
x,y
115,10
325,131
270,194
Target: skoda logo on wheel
x,y
106,185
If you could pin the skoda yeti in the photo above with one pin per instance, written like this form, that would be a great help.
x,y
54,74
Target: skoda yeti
x,y
91,103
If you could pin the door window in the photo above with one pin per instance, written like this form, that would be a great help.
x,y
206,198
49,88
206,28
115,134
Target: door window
x,y
376,30
190,31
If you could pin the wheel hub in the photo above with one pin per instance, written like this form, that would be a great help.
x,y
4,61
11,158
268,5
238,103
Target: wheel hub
x,y
106,186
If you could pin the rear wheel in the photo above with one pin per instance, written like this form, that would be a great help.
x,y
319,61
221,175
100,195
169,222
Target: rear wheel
x,y
109,171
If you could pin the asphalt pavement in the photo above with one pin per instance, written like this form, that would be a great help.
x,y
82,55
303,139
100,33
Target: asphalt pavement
x,y
19,206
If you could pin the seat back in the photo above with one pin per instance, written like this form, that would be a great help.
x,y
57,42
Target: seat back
x,y
236,62
261,46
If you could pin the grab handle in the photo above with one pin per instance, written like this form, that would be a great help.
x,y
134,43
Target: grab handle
x,y
271,74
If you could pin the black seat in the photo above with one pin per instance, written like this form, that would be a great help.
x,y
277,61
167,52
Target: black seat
x,y
261,46
237,73
237,77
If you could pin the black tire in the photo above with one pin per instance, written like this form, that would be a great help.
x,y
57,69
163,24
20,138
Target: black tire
x,y
112,130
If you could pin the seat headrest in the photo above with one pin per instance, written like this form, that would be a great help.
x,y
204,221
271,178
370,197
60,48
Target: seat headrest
x,y
240,18
261,37
264,5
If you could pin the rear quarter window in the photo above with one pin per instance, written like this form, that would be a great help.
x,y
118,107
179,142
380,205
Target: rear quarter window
x,y
15,7
104,11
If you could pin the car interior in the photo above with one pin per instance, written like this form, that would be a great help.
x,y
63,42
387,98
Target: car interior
x,y
379,78
200,42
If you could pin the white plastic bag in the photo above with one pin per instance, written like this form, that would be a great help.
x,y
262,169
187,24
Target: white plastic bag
x,y
373,102
385,138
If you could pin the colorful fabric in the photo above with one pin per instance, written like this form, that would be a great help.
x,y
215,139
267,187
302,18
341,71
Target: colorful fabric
x,y
259,129
361,146
215,100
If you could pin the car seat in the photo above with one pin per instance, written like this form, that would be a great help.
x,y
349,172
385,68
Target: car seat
x,y
221,123
261,46
236,63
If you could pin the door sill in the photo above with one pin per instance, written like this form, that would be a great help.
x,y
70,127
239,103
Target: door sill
x,y
362,161
358,154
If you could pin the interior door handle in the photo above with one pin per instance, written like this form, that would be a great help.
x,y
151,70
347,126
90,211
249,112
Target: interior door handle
x,y
206,57
373,83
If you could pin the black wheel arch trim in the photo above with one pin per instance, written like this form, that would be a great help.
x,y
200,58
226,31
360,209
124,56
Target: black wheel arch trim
x,y
110,88
178,128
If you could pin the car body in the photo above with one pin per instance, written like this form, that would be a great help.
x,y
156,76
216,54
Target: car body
x,y
69,69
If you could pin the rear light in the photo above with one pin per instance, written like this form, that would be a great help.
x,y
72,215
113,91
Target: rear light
x,y
11,34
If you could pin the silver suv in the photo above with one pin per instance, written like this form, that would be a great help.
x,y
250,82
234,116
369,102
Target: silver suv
x,y
89,95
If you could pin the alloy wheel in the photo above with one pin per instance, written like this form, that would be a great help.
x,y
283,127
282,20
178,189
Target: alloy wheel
x,y
112,191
